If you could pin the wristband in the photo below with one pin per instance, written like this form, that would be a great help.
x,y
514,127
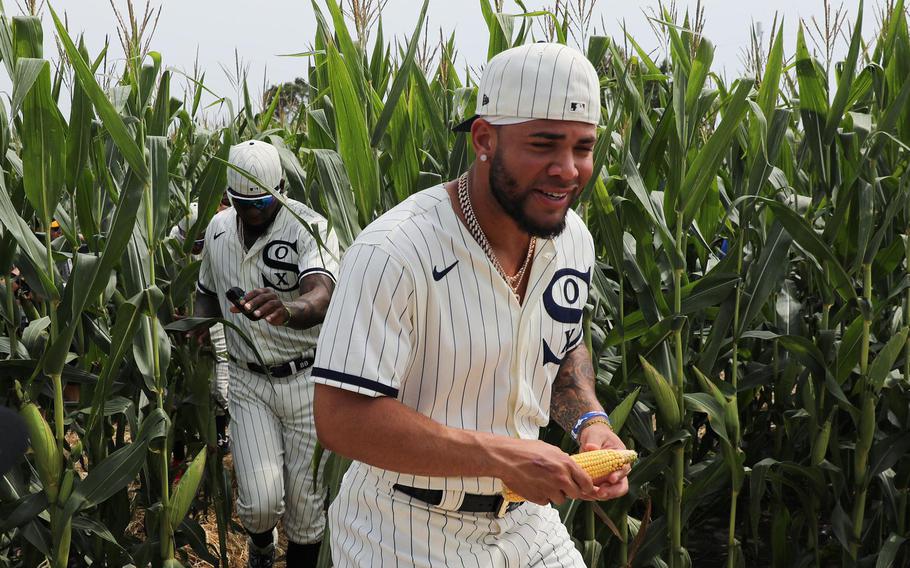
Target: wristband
x,y
587,416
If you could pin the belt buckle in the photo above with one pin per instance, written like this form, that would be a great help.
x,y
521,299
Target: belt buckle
x,y
503,507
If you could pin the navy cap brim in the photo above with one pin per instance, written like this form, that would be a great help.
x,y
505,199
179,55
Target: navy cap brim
x,y
466,125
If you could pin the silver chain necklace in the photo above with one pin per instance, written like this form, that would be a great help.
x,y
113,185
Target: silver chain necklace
x,y
464,200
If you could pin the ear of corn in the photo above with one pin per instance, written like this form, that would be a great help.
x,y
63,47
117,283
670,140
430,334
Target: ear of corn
x,y
186,489
598,464
47,456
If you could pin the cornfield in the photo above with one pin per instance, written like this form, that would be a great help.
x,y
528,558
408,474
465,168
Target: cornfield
x,y
749,314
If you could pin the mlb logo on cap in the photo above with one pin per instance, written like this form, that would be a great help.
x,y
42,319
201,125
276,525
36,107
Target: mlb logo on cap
x,y
537,81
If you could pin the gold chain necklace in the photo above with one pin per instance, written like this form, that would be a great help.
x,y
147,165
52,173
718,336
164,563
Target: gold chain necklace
x,y
464,200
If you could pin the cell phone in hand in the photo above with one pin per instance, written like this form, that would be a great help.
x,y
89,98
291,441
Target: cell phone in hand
x,y
235,296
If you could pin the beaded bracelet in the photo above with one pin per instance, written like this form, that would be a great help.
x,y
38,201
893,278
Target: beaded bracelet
x,y
586,417
595,421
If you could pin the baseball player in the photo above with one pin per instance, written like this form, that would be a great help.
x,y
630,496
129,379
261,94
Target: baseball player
x,y
219,386
261,247
456,334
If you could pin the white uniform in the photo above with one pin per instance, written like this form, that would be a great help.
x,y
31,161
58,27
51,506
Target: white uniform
x,y
272,430
420,314
222,369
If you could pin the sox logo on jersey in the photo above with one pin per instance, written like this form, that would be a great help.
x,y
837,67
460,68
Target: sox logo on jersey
x,y
283,274
562,301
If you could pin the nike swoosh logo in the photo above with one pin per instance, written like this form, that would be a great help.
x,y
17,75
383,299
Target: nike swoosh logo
x,y
217,235
440,274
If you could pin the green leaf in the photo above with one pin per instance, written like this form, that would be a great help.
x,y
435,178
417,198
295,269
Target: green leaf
x,y
705,402
34,252
117,470
765,275
188,324
27,72
849,351
845,81
109,115
160,190
337,194
353,137
813,100
620,412
769,89
401,79
703,170
888,553
210,189
43,146
22,511
637,185
78,138
809,240
885,359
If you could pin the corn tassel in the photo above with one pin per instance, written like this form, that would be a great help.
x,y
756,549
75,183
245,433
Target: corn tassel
x,y
598,464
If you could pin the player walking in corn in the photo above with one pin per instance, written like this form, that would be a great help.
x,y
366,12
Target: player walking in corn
x,y
456,334
263,248
219,384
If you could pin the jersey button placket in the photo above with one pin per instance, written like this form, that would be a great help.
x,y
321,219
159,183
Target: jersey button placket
x,y
521,339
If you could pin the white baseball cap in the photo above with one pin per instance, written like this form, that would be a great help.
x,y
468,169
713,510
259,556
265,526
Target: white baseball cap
x,y
536,81
187,221
262,161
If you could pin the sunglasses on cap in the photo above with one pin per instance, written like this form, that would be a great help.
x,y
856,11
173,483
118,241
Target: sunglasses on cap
x,y
251,202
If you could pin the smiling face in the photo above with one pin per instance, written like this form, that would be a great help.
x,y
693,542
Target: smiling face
x,y
538,170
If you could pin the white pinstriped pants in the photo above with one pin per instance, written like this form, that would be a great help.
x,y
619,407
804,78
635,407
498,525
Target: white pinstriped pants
x,y
273,438
372,525
220,381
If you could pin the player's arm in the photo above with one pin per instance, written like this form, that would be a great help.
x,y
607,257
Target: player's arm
x,y
574,395
383,432
305,311
573,388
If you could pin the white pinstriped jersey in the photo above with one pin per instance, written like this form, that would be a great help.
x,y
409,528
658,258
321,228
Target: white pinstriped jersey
x,y
420,314
279,259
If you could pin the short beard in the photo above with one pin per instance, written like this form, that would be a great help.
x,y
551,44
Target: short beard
x,y
503,187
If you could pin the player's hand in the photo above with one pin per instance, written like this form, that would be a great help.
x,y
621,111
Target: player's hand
x,y
542,473
601,437
264,303
200,334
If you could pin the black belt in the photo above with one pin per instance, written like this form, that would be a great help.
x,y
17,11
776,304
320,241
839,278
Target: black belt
x,y
472,503
279,371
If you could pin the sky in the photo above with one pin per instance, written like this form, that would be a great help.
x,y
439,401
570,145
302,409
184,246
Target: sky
x,y
262,30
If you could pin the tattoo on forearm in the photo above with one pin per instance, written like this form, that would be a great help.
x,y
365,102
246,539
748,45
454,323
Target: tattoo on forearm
x,y
573,389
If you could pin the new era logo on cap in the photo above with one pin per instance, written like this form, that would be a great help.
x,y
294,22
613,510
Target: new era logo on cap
x,y
538,81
